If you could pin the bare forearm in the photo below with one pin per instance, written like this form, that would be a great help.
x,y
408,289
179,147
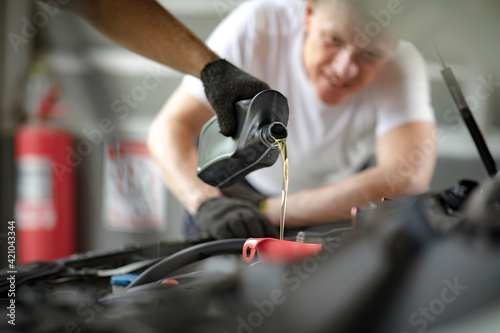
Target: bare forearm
x,y
177,159
171,142
406,157
146,28
334,201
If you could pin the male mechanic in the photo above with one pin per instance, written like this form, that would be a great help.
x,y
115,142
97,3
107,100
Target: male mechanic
x,y
349,95
147,28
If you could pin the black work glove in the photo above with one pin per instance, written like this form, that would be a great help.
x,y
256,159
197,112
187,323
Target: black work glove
x,y
224,217
243,192
225,85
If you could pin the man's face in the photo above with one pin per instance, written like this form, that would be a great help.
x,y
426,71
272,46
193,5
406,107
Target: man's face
x,y
335,61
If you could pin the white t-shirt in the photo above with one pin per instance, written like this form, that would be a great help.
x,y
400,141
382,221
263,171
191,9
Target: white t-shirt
x,y
326,143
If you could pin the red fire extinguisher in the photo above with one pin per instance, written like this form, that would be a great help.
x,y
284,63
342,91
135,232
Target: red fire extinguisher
x,y
45,201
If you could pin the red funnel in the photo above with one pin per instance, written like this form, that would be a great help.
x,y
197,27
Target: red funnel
x,y
272,250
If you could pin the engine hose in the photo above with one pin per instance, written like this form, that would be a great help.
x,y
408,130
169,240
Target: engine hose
x,y
187,256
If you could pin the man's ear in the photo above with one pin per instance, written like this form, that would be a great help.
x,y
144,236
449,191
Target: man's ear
x,y
308,13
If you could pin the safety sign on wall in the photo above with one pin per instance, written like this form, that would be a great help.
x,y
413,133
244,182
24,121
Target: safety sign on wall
x,y
134,193
34,208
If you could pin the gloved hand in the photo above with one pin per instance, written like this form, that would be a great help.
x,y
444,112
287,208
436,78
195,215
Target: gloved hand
x,y
225,85
243,192
224,217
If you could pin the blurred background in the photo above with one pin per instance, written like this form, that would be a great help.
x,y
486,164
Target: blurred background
x,y
108,96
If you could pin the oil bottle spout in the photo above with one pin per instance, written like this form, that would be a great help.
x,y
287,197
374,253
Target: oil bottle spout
x,y
272,132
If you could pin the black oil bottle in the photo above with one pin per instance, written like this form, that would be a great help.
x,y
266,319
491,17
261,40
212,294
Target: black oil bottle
x,y
223,161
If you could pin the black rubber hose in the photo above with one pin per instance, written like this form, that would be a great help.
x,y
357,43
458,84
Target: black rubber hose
x,y
187,256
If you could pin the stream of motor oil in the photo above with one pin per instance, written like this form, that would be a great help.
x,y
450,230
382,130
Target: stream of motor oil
x,y
284,192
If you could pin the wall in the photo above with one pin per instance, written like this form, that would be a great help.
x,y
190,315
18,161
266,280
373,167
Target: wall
x,y
12,77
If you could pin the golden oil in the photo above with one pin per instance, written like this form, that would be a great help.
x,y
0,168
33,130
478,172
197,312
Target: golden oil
x,y
284,192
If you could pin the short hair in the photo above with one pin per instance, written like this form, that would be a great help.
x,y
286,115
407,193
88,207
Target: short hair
x,y
363,8
367,10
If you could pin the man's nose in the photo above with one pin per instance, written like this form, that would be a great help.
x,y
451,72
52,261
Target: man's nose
x,y
344,65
